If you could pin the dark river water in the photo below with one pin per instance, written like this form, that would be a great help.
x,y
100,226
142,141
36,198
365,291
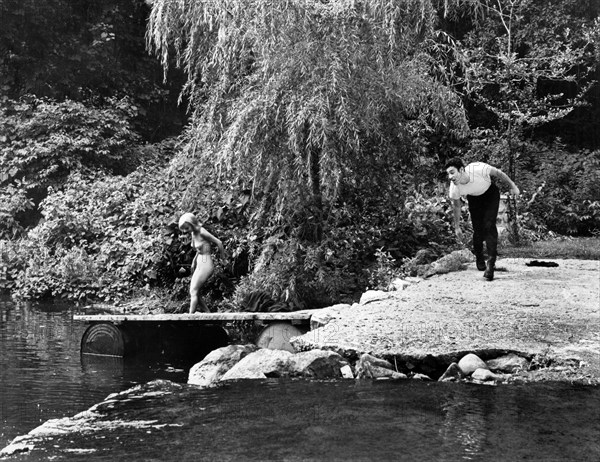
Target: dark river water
x,y
157,417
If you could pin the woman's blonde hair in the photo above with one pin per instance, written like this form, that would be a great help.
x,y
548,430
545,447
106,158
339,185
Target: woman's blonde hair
x,y
188,218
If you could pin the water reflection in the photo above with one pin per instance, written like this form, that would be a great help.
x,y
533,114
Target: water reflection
x,y
464,426
42,374
103,366
343,420
31,339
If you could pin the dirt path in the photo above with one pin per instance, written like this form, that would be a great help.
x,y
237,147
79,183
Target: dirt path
x,y
528,310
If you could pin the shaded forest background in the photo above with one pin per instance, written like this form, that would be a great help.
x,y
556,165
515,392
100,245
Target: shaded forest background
x,y
310,136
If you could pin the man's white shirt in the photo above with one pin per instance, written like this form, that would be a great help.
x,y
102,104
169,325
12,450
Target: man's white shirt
x,y
479,181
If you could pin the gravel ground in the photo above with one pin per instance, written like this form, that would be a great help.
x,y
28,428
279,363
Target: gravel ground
x,y
537,312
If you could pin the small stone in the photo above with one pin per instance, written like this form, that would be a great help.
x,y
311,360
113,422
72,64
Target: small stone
x,y
371,367
346,372
373,360
413,280
398,284
508,363
373,296
379,373
453,373
421,377
470,363
484,375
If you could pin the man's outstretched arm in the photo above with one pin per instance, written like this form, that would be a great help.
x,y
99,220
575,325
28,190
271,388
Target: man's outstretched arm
x,y
497,173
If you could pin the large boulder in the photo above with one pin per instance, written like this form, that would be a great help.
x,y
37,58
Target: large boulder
x,y
260,365
215,364
319,364
470,363
508,363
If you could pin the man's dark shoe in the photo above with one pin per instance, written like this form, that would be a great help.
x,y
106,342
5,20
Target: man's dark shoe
x,y
489,270
480,262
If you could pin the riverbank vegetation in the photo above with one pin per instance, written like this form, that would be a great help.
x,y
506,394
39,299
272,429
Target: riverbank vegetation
x,y
309,136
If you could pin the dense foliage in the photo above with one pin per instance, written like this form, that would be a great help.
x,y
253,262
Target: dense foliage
x,y
43,142
86,50
315,143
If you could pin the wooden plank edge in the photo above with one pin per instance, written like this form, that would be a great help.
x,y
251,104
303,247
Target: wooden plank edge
x,y
205,317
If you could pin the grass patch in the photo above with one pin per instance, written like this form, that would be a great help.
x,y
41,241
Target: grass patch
x,y
581,248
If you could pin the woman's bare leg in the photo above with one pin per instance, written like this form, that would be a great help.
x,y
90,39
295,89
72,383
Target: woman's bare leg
x,y
196,300
204,268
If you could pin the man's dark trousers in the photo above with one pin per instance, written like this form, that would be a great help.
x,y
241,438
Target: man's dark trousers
x,y
484,213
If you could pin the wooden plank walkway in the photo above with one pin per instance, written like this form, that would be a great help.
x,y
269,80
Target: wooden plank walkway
x,y
291,316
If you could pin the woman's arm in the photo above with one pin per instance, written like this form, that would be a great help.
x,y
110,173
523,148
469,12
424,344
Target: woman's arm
x,y
497,173
209,237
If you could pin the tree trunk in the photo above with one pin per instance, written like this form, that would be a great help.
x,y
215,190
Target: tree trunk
x,y
317,197
512,172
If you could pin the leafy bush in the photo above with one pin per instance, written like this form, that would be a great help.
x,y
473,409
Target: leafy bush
x,y
68,274
100,237
33,272
44,141
383,272
13,202
429,215
562,189
300,274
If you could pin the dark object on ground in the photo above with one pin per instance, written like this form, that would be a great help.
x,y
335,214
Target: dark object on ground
x,y
547,264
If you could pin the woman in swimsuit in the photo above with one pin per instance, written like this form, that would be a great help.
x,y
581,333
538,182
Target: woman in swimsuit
x,y
202,266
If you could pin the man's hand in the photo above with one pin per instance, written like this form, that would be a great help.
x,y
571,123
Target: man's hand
x,y
514,191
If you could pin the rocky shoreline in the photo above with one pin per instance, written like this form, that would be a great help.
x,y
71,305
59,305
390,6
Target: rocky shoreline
x,y
238,362
529,324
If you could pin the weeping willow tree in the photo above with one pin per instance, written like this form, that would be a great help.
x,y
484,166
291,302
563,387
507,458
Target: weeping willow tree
x,y
299,99
300,93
